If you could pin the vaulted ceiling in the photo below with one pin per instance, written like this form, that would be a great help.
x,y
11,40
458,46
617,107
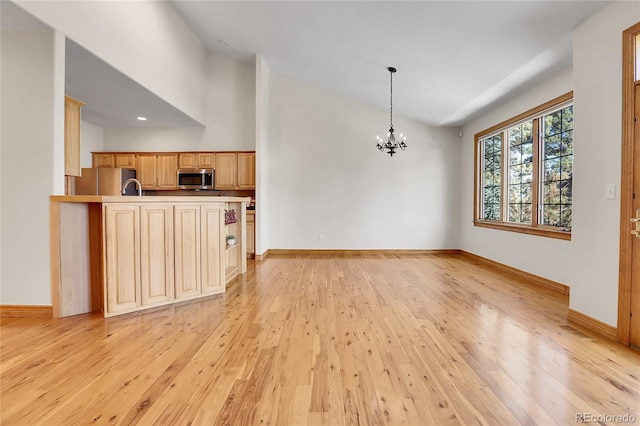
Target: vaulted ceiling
x,y
455,59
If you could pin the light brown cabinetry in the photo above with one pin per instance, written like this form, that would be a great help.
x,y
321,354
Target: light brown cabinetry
x,y
235,170
125,161
157,171
246,170
187,251
103,160
156,253
212,233
196,160
226,170
72,136
139,254
122,258
251,234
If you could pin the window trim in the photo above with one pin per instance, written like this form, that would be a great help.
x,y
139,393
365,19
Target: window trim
x,y
540,230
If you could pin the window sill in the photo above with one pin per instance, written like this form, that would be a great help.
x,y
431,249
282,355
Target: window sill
x,y
524,229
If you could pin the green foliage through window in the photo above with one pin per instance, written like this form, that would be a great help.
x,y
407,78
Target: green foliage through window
x,y
526,169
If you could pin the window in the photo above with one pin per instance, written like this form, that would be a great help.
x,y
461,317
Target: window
x,y
524,171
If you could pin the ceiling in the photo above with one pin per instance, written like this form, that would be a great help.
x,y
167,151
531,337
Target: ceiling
x,y
455,59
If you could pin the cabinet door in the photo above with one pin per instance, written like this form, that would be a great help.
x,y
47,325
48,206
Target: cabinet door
x,y
251,238
103,160
156,253
72,136
167,171
212,248
146,170
186,233
187,160
246,170
122,257
225,170
125,161
205,160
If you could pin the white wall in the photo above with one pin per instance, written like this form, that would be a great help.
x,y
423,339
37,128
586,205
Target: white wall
x,y
32,140
91,140
155,36
542,256
326,176
597,55
229,120
263,75
588,263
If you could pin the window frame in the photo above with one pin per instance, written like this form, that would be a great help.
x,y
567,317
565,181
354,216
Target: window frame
x,y
535,228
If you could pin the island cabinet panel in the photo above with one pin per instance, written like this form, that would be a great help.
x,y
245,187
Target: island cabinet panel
x,y
187,250
226,170
122,258
213,279
156,253
251,234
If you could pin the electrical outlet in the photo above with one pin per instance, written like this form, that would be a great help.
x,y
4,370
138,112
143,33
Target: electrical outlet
x,y
321,238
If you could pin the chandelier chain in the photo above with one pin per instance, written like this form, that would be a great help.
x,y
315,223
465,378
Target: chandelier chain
x,y
391,102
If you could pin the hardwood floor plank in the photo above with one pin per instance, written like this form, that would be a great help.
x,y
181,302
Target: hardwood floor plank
x,y
327,339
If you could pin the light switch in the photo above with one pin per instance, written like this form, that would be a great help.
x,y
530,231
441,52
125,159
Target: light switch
x,y
610,193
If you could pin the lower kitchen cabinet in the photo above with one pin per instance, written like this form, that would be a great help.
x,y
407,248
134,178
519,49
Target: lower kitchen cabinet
x,y
251,234
122,258
156,254
187,251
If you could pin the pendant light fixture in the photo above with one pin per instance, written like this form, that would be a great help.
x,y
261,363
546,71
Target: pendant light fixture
x,y
392,143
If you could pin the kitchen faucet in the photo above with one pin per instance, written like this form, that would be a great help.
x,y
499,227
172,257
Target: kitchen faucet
x,y
128,181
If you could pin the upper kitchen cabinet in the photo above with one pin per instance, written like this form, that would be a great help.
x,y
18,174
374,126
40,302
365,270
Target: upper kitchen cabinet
x,y
235,170
246,170
101,159
125,161
157,171
120,160
72,136
226,170
195,160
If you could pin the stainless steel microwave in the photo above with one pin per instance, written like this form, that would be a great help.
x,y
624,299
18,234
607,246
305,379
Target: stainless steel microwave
x,y
196,180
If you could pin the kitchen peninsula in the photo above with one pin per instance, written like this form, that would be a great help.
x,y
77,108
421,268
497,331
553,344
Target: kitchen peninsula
x,y
121,254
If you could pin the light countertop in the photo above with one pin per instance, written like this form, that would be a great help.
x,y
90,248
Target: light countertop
x,y
146,199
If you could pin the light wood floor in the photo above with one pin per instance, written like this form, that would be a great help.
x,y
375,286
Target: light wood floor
x,y
423,340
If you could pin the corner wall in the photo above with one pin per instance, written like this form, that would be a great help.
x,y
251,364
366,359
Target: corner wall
x,y
32,144
597,53
327,178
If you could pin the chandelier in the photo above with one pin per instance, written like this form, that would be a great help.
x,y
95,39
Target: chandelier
x,y
392,143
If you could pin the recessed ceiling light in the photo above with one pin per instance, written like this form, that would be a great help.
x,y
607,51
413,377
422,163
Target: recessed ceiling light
x,y
142,118
223,43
